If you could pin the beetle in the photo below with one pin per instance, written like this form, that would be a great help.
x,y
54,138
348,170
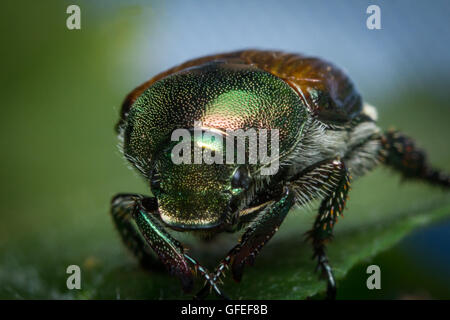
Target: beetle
x,y
327,136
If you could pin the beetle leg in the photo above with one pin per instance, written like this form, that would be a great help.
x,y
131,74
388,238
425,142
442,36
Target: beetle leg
x,y
400,153
122,206
171,253
331,207
257,234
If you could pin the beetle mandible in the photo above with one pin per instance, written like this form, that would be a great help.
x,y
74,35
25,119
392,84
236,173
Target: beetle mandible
x,y
327,136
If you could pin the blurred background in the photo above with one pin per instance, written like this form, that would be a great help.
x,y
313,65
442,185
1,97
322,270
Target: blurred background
x,y
61,94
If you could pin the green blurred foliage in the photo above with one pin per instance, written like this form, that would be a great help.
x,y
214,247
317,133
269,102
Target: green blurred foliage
x,y
60,167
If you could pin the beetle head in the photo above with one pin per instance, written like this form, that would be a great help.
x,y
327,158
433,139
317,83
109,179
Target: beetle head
x,y
202,195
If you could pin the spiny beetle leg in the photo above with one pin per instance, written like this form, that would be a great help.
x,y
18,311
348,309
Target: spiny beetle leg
x,y
400,152
254,238
331,207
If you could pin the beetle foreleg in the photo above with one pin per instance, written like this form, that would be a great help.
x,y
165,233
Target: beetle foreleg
x,y
331,207
400,153
257,234
171,253
122,207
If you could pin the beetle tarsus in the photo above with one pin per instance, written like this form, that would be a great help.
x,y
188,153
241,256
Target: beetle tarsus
x,y
324,267
203,293
400,152
211,282
206,290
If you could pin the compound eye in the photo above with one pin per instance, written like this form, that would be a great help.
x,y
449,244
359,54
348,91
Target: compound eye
x,y
241,179
155,185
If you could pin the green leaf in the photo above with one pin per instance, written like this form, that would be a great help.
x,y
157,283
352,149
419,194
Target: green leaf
x,y
284,269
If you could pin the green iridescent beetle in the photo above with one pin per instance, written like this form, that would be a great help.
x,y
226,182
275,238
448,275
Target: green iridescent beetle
x,y
326,135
